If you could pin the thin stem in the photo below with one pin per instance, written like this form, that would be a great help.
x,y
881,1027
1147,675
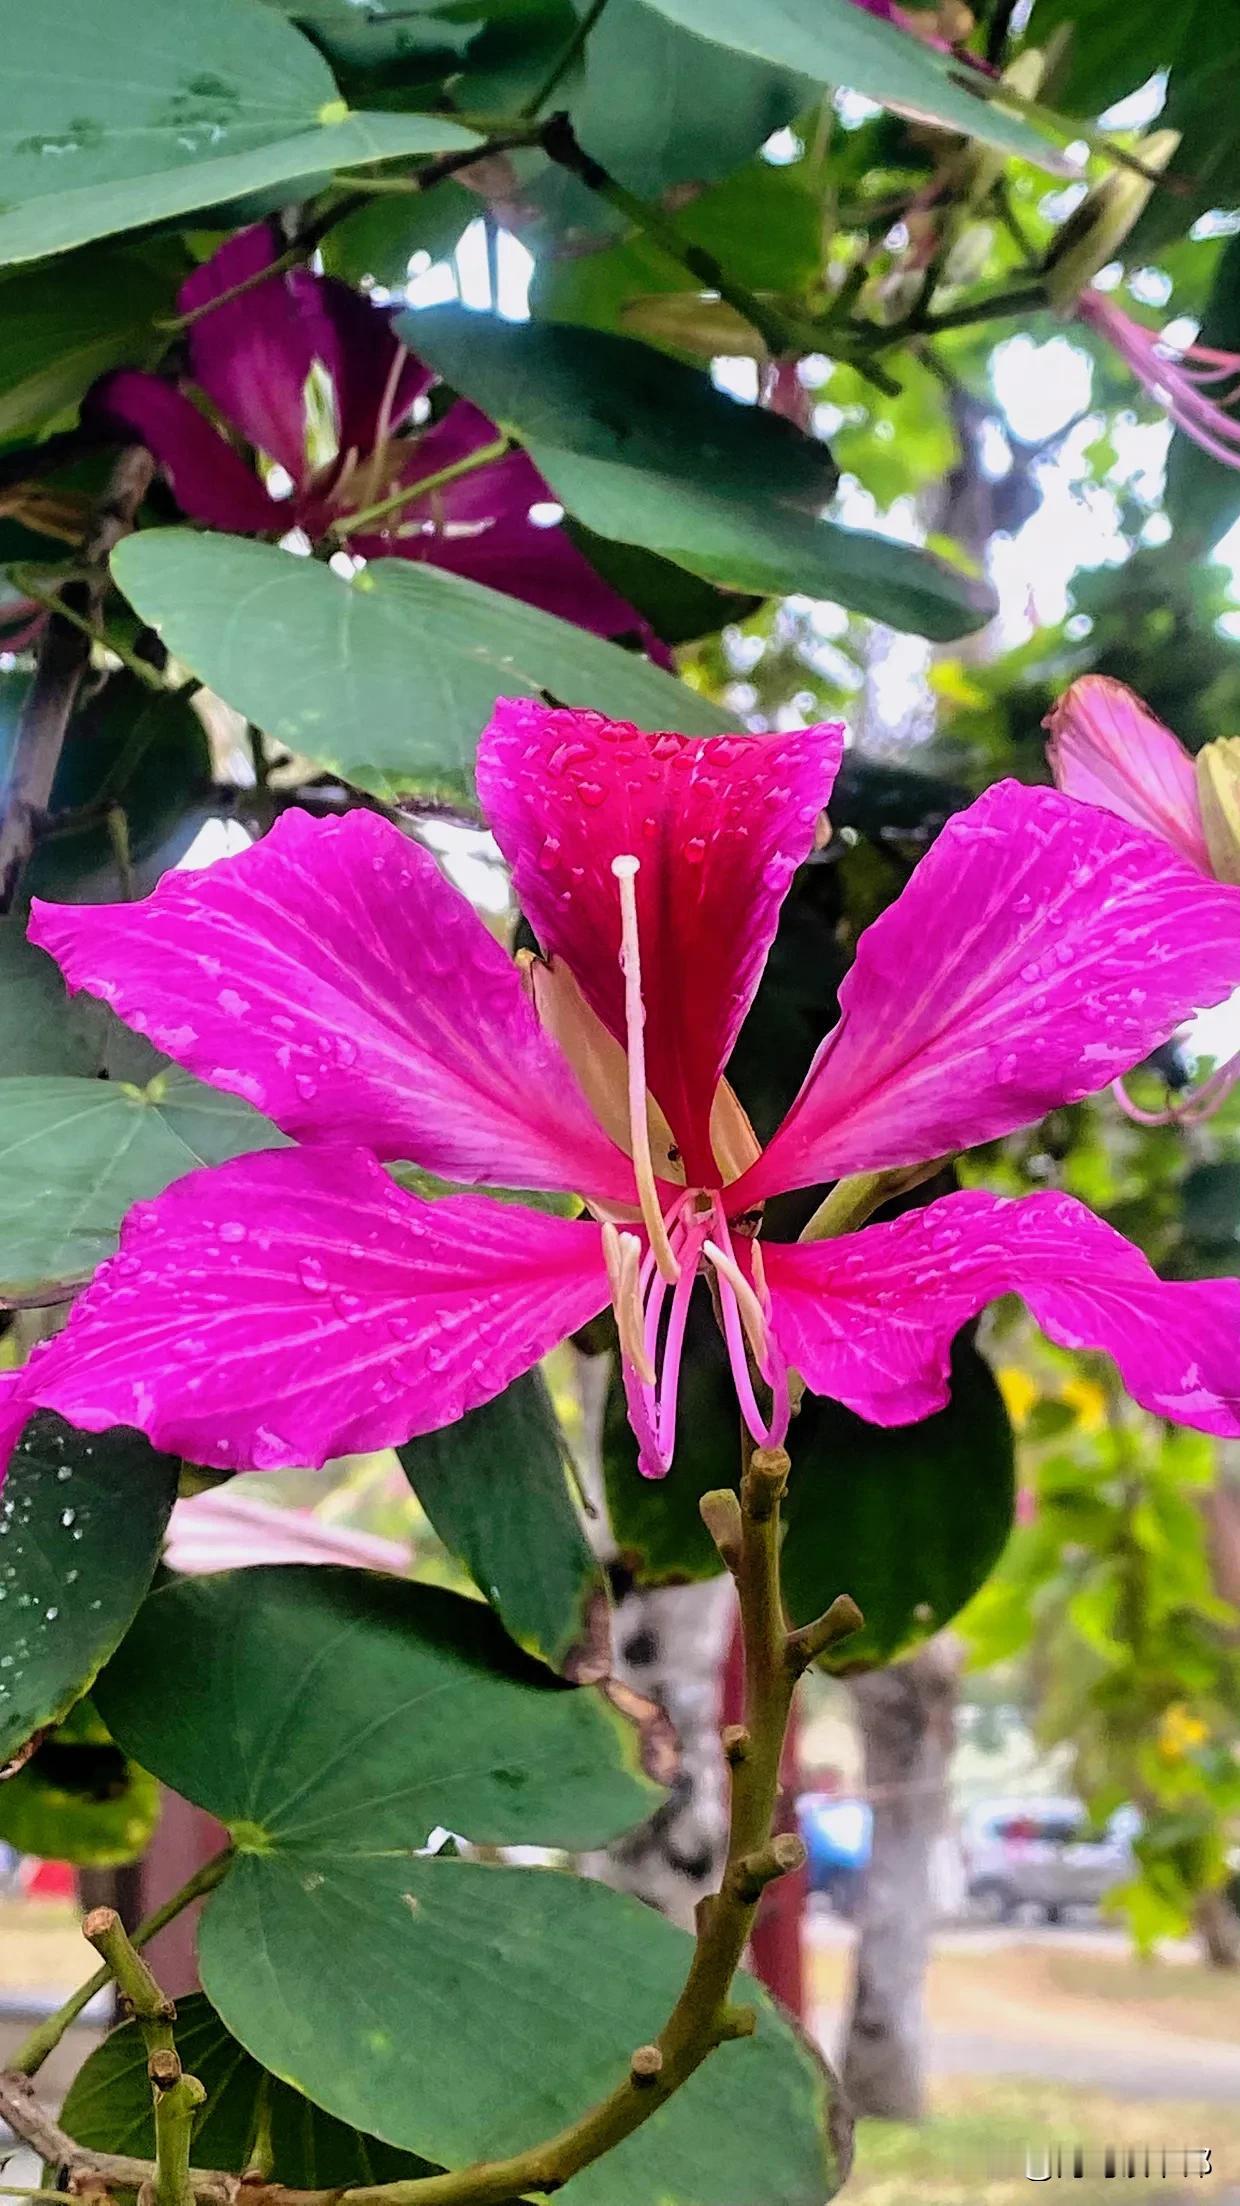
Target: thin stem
x,y
352,524
31,2056
149,2005
177,2099
564,60
779,334
1027,298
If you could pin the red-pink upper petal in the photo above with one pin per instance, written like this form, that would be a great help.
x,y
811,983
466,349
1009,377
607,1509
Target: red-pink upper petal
x,y
252,354
720,824
334,978
870,1319
210,481
1107,748
1041,948
298,1305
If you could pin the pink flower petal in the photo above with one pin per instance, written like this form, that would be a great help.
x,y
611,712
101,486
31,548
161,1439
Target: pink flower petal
x,y
299,1305
1041,949
16,1409
870,1319
211,482
334,978
226,1530
720,824
1107,748
252,354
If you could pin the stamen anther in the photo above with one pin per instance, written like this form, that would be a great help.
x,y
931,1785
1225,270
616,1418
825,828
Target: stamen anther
x,y
626,868
622,1256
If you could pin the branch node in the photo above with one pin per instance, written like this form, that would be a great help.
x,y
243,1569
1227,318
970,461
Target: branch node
x,y
840,1621
736,1742
762,1487
646,2067
164,2069
720,1511
750,1875
736,2022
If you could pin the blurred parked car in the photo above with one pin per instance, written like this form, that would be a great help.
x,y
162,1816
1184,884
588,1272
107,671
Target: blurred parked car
x,y
837,1839
1044,1854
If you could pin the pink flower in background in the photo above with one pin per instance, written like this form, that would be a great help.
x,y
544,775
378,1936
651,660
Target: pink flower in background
x,y
297,1304
1198,385
1106,748
255,358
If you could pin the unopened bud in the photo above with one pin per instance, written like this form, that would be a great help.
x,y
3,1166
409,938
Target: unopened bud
x,y
1093,235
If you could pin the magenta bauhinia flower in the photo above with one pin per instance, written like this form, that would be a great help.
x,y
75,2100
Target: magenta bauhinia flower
x,y
1198,385
295,1304
1107,748
312,377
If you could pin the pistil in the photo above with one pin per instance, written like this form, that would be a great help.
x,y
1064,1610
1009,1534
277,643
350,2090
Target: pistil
x,y
626,868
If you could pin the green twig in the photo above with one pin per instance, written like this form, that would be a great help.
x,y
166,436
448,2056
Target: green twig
x,y
149,2005
564,60
352,524
177,2098
779,333
44,2040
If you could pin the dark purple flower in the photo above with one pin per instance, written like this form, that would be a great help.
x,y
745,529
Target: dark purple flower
x,y
312,377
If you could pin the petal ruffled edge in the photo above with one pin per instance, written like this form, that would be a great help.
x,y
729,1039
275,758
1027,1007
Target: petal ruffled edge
x,y
870,1319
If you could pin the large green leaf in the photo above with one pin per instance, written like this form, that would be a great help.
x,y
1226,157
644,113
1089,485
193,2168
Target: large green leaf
x,y
388,678
79,1799
76,1153
64,327
909,1520
494,1487
108,2109
642,448
335,1713
81,1520
223,99
837,42
335,1721
477,2009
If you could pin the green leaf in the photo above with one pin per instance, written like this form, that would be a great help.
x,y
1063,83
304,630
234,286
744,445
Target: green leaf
x,y
908,1520
82,1516
108,2109
42,1030
660,108
228,100
64,327
642,448
479,2009
76,1153
389,678
79,1799
837,42
277,1666
143,750
1203,496
334,1721
495,1488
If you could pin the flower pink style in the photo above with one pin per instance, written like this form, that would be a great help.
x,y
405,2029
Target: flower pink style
x,y
298,1303
255,358
1107,748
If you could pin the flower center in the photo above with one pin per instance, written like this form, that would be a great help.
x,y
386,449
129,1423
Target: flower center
x,y
690,1235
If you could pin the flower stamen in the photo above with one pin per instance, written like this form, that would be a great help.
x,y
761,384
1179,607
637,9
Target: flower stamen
x,y
622,1256
753,1316
625,869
